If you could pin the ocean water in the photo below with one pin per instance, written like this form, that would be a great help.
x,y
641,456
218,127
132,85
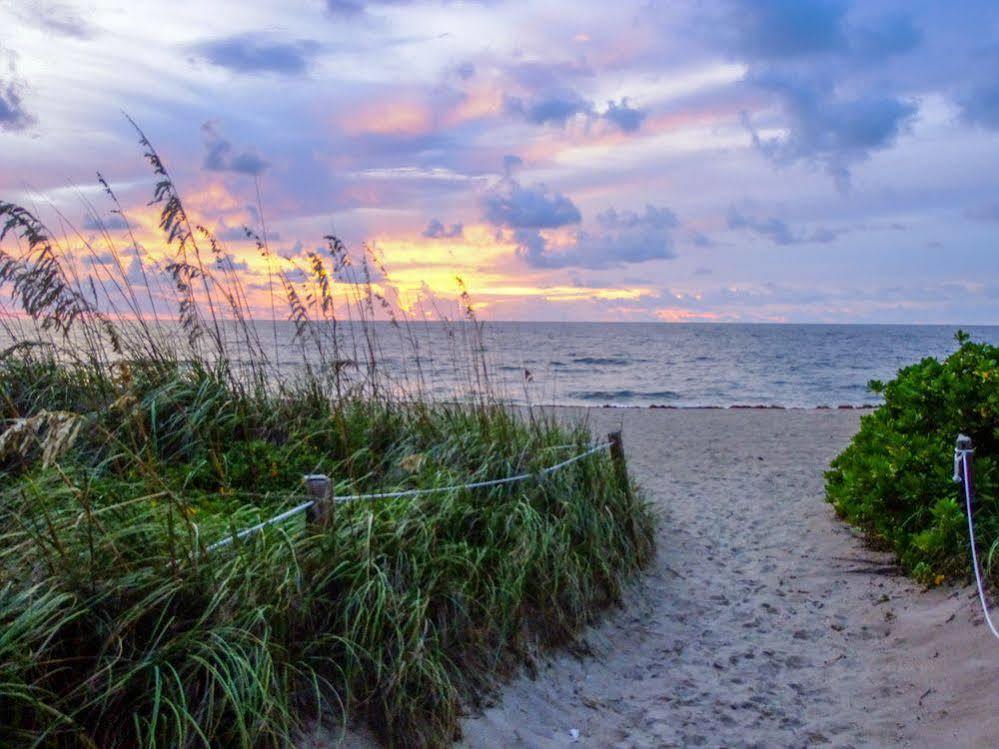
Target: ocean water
x,y
698,365
622,364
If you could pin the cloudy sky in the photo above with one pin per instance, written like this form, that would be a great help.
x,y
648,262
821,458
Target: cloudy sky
x,y
791,160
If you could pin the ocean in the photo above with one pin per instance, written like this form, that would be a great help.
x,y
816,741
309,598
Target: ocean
x,y
681,365
699,365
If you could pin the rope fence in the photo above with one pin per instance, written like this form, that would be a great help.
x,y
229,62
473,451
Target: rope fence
x,y
319,485
963,453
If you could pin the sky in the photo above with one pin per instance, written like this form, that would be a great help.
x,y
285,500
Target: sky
x,y
728,160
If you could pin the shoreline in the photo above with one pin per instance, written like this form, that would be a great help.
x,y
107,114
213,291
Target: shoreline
x,y
734,407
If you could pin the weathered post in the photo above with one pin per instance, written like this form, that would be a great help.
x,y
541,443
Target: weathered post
x,y
620,466
320,488
962,447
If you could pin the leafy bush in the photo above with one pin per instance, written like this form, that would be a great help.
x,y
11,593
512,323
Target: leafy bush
x,y
895,478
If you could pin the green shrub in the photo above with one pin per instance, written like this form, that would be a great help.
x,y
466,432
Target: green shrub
x,y
895,478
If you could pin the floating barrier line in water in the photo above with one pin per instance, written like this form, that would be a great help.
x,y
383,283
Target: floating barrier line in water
x,y
298,509
961,454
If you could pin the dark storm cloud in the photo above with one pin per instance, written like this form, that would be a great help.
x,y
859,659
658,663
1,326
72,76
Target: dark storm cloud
x,y
437,230
259,53
623,238
514,206
221,157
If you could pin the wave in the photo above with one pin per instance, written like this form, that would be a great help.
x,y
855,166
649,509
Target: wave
x,y
602,360
605,395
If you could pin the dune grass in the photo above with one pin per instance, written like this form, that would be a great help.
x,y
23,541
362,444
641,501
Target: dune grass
x,y
132,440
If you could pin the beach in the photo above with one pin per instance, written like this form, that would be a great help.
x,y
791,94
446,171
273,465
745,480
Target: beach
x,y
764,621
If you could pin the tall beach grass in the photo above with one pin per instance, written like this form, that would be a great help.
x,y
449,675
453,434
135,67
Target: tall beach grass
x,y
147,413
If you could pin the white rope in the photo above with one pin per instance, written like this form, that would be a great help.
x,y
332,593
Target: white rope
x,y
260,526
971,535
406,493
474,485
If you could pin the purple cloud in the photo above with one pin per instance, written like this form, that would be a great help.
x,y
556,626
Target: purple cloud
x,y
627,118
826,128
359,7
984,212
554,107
625,237
257,53
980,106
777,230
809,56
783,29
56,18
437,230
13,116
114,222
219,156
511,205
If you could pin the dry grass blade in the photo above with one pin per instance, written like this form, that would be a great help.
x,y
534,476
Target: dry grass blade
x,y
50,432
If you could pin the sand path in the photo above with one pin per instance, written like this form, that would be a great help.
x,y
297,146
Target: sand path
x,y
764,621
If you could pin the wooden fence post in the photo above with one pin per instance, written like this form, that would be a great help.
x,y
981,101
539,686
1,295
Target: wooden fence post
x,y
620,466
320,488
962,445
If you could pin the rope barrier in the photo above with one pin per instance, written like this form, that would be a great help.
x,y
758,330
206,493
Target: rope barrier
x,y
961,453
298,509
260,526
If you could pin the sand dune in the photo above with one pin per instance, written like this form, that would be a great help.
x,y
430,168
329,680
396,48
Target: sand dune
x,y
764,622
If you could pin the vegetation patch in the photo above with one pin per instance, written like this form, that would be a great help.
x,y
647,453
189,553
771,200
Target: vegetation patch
x,y
130,442
895,478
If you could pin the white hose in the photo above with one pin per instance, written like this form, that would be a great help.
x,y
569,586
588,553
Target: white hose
x,y
974,552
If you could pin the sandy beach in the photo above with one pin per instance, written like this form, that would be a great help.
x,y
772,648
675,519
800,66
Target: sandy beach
x,y
764,621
